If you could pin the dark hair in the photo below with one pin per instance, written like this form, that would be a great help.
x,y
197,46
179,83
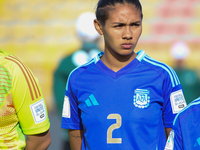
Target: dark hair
x,y
104,6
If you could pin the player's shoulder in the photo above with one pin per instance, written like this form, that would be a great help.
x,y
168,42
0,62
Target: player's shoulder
x,y
15,67
6,61
10,59
160,67
3,54
189,111
81,69
157,65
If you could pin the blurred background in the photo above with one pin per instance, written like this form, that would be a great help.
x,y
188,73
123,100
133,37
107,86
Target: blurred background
x,y
43,32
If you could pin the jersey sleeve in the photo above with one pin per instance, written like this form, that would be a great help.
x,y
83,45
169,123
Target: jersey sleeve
x,y
71,115
174,100
28,99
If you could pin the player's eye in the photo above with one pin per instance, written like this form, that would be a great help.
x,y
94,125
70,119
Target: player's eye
x,y
118,25
135,24
138,23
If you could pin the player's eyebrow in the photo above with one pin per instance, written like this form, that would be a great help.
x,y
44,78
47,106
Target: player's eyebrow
x,y
121,23
118,23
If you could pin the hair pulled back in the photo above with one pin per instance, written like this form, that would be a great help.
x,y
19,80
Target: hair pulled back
x,y
104,6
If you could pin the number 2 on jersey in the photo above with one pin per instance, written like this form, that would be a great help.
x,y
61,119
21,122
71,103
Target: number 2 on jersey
x,y
117,125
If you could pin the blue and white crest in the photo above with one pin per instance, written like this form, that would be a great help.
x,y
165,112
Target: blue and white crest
x,y
141,99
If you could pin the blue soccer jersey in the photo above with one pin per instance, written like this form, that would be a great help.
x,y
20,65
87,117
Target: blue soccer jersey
x,y
127,109
185,134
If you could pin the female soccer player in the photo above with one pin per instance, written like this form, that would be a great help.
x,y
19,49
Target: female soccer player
x,y
121,99
24,122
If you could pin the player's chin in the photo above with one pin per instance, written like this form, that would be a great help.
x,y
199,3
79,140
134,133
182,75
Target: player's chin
x,y
127,52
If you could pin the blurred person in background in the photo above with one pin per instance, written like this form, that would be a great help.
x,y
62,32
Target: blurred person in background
x,y
189,78
22,107
89,39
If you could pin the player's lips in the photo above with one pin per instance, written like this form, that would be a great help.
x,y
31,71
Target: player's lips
x,y
126,45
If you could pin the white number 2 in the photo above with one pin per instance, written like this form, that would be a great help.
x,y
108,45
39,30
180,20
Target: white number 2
x,y
117,125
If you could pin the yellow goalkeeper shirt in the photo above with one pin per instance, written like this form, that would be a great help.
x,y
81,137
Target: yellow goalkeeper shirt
x,y
22,106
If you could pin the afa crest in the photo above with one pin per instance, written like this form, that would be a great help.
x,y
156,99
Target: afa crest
x,y
141,98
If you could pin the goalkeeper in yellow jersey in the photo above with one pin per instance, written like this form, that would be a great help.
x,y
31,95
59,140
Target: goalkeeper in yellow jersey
x,y
22,107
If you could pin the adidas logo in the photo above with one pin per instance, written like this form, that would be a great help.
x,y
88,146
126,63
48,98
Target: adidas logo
x,y
91,101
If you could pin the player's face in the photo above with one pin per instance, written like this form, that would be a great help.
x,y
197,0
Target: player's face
x,y
122,29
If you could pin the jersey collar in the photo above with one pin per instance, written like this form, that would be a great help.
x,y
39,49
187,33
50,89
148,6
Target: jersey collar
x,y
140,55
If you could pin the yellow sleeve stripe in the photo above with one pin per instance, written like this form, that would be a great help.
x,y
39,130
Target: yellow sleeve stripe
x,y
32,84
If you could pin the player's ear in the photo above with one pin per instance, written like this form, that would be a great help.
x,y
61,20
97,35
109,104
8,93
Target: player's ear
x,y
98,26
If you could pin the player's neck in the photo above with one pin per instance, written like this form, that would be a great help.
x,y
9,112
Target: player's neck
x,y
117,62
